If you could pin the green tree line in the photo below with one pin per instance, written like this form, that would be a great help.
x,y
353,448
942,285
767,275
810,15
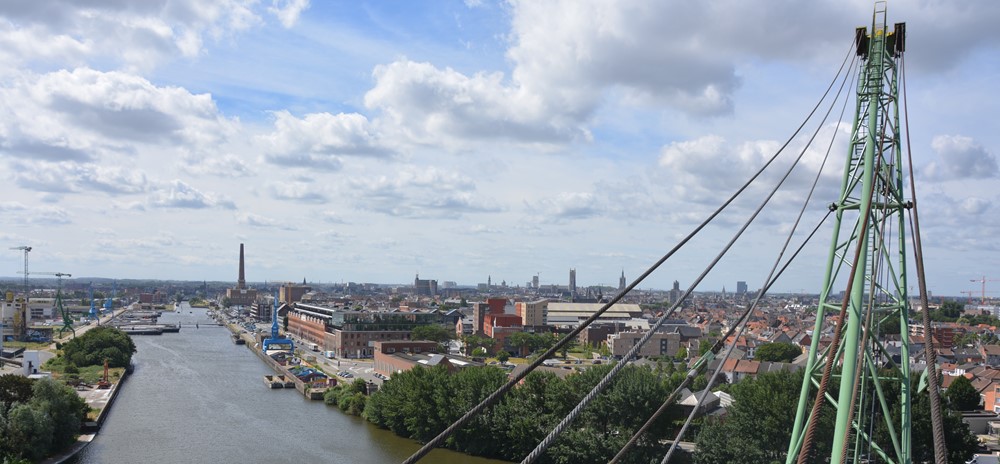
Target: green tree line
x,y
422,402
37,418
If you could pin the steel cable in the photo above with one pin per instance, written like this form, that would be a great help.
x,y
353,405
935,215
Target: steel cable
x,y
937,421
597,389
772,277
704,361
496,395
810,435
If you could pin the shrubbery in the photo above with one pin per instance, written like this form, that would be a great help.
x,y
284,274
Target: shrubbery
x,y
98,344
422,402
350,398
37,418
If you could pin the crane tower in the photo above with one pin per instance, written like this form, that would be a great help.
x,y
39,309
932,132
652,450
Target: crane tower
x,y
864,280
21,314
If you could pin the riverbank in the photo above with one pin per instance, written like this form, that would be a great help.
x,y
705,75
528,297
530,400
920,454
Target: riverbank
x,y
197,397
100,399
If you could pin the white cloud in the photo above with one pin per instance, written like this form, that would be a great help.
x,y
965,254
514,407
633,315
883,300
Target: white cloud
x,y
67,177
256,220
19,214
319,140
428,105
134,34
960,158
84,114
288,11
302,192
332,217
420,192
228,165
975,206
178,194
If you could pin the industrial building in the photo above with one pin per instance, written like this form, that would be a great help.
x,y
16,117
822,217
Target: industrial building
x,y
240,295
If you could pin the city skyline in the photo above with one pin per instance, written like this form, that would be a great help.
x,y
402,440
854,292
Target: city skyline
x,y
370,142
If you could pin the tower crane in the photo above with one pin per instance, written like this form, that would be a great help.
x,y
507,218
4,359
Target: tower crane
x,y
983,281
21,317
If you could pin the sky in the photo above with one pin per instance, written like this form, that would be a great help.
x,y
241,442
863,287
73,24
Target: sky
x,y
363,141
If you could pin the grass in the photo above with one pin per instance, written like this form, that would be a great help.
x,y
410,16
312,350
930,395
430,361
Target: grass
x,y
87,374
27,345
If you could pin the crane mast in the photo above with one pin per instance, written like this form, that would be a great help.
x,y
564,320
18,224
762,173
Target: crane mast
x,y
867,252
21,315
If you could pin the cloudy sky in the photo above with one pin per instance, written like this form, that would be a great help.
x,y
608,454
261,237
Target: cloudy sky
x,y
369,141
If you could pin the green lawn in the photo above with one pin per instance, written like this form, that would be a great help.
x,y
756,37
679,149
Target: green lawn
x,y
87,374
26,345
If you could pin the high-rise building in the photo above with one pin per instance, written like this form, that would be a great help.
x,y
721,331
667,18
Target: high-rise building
x,y
675,293
741,288
572,281
425,287
533,314
534,281
621,281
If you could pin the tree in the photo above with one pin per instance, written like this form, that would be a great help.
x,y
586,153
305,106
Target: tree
x,y
45,423
777,352
472,342
28,433
524,341
961,395
757,426
682,354
703,346
226,302
63,406
503,356
13,389
98,344
572,345
951,309
433,332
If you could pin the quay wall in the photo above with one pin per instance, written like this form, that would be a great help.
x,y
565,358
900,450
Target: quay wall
x,y
300,386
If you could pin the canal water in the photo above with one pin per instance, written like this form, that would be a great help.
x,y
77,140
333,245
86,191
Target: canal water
x,y
197,397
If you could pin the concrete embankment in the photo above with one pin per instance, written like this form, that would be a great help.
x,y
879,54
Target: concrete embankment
x,y
304,388
98,399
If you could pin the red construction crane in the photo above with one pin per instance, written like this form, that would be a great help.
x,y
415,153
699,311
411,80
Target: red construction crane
x,y
983,281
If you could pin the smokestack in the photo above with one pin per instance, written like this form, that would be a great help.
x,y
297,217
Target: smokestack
x,y
242,283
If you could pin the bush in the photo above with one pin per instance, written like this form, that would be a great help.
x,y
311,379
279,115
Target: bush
x,y
98,344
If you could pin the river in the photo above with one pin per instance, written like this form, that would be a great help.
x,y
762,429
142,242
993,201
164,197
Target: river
x,y
196,397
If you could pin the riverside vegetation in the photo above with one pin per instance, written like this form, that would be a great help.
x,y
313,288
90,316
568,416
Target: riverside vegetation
x,y
41,417
422,402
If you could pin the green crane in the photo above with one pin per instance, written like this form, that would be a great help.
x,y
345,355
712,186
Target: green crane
x,y
63,312
867,256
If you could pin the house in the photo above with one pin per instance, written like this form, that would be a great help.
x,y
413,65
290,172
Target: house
x,y
991,354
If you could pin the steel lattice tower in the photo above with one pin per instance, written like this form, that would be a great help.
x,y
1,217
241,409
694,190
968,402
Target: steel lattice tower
x,y
874,391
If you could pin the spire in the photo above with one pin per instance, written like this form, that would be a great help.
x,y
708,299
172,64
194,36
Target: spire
x,y
242,282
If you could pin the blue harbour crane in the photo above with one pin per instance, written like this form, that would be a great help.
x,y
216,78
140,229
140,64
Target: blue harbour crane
x,y
276,342
109,303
